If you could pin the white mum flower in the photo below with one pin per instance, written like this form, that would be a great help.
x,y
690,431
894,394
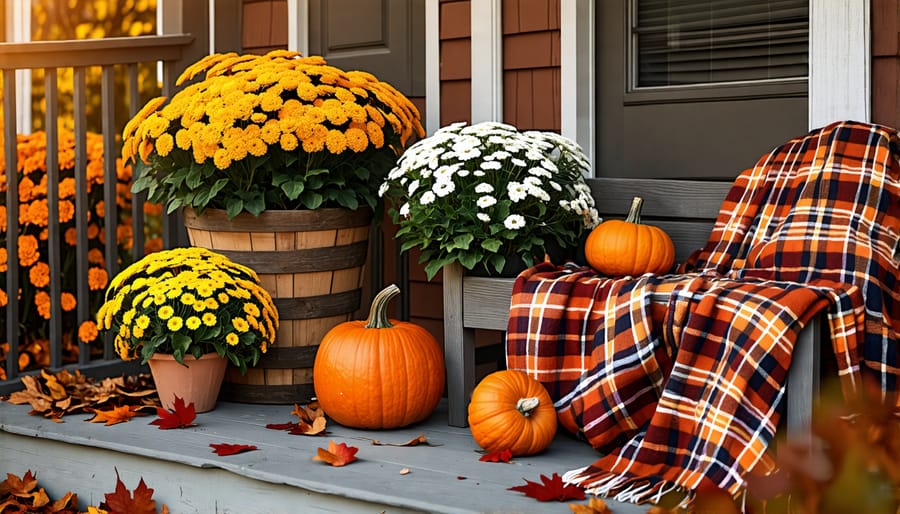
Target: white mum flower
x,y
486,201
382,189
484,187
404,209
483,217
516,191
519,162
443,188
479,173
490,165
412,187
514,222
427,198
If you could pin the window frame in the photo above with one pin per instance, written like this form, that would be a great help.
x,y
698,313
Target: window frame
x,y
713,91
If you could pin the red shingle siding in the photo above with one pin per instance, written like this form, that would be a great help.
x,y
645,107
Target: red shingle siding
x,y
264,25
885,62
531,55
456,61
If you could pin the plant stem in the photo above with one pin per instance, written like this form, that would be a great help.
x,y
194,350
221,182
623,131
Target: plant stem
x,y
378,317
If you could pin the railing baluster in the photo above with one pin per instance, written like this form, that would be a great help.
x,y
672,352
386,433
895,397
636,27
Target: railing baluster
x,y
12,224
137,200
110,181
51,88
79,99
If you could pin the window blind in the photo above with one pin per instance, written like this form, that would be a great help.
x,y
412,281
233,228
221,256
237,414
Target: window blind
x,y
689,42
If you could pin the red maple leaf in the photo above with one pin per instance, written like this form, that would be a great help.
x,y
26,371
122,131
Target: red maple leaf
x,y
552,489
282,426
225,449
122,501
337,454
498,456
183,416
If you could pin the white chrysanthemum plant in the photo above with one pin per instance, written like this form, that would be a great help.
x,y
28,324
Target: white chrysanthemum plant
x,y
483,194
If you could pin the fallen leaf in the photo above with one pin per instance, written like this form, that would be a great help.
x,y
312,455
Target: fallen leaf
x,y
309,413
416,441
290,425
404,471
595,506
115,415
551,489
225,449
181,417
317,427
498,456
337,454
122,500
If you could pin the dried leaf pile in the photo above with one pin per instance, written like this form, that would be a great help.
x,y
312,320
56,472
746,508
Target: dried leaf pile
x,y
114,400
23,494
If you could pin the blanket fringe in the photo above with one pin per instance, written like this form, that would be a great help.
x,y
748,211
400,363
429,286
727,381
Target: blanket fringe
x,y
622,487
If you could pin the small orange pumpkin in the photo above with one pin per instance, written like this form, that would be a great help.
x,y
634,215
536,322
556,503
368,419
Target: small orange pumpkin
x,y
379,373
628,247
511,410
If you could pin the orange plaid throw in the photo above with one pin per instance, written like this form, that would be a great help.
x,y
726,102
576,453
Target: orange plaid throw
x,y
679,378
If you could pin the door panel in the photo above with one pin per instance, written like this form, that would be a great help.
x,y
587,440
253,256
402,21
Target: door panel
x,y
683,134
383,37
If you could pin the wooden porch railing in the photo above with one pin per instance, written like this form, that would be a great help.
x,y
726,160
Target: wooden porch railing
x,y
111,55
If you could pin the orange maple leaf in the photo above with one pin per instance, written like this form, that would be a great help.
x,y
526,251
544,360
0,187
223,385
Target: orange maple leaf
x,y
317,427
595,506
122,501
337,454
497,456
115,415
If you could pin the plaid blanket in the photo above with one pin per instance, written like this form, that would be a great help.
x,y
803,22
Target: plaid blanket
x,y
680,377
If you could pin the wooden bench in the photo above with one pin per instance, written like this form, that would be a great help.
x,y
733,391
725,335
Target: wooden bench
x,y
686,210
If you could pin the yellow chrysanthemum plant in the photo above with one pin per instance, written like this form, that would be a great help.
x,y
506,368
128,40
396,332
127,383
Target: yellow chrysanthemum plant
x,y
189,301
276,131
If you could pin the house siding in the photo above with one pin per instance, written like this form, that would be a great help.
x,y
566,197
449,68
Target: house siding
x,y
885,15
264,26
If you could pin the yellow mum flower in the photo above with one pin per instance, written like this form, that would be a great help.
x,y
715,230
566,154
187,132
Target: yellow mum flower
x,y
335,141
232,339
165,312
209,319
143,321
175,323
356,139
251,309
164,144
193,323
240,324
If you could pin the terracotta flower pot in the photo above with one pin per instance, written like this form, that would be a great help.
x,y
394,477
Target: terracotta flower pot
x,y
198,382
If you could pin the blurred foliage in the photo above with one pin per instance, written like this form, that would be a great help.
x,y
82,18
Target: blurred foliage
x,y
54,20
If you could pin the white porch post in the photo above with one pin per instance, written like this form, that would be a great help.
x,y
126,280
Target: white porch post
x,y
577,108
839,61
487,60
432,66
18,27
298,26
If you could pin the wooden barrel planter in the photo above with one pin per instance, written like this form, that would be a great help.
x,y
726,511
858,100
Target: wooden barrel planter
x,y
311,262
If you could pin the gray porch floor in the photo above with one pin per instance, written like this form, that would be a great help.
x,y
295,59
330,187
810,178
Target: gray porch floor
x,y
280,476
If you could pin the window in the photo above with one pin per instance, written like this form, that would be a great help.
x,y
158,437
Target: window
x,y
688,43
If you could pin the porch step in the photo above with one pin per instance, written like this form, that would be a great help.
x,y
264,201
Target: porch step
x,y
279,477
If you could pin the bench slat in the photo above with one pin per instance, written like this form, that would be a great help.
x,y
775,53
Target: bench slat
x,y
663,198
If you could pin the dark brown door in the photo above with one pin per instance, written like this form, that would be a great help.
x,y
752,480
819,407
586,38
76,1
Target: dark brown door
x,y
384,37
672,104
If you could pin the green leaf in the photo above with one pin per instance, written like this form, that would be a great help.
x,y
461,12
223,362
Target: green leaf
x,y
311,200
492,245
234,207
293,188
462,241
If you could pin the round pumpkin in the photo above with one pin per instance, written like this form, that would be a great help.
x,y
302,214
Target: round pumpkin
x,y
511,410
379,373
628,247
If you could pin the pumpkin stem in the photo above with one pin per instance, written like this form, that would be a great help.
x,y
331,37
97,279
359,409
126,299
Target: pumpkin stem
x,y
378,316
634,214
526,405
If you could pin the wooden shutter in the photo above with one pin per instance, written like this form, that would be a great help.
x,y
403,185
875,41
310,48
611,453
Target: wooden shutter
x,y
688,42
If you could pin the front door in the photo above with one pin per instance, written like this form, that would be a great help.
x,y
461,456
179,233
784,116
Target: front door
x,y
698,88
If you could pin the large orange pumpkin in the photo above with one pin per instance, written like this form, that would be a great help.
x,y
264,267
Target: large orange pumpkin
x,y
510,410
379,373
628,247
